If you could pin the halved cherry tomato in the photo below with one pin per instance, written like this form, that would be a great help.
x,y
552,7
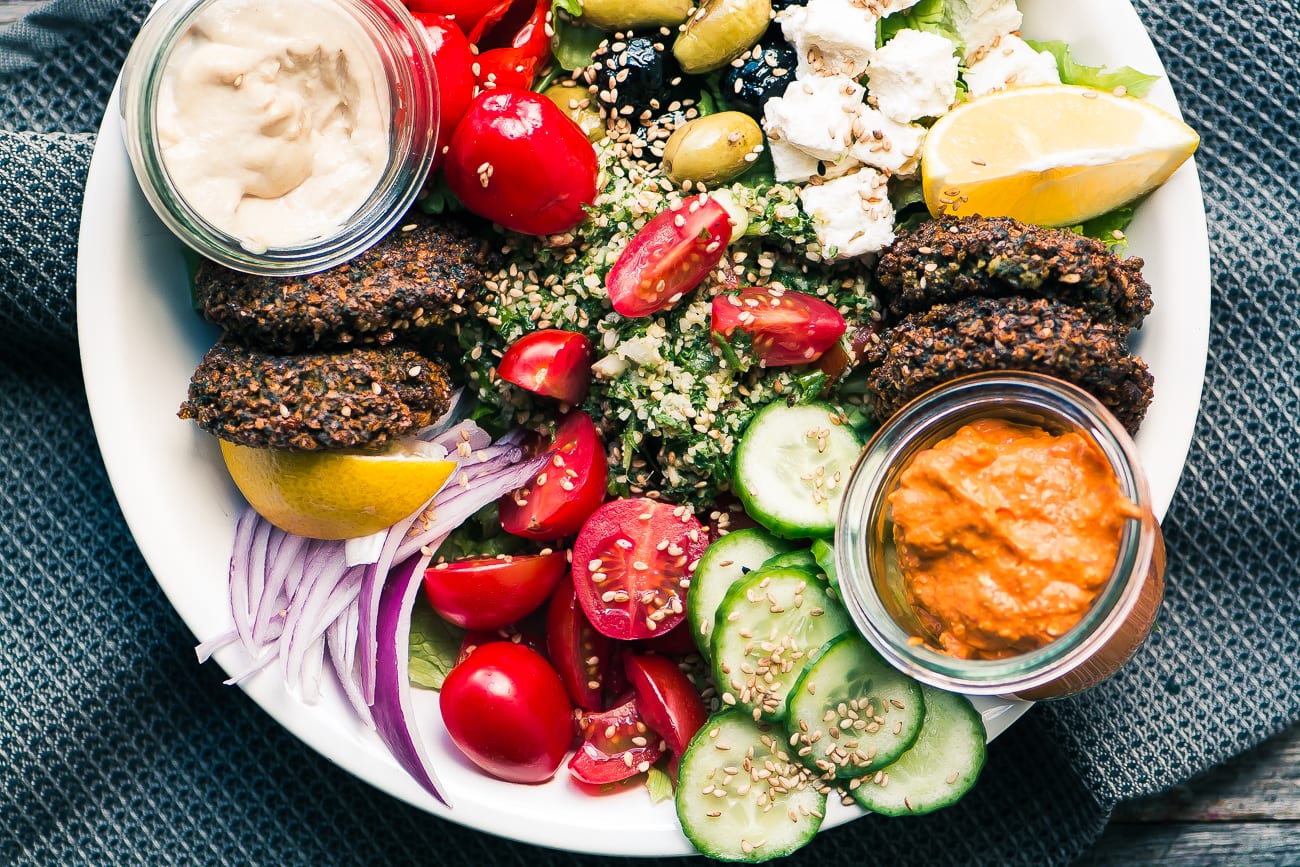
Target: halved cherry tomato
x,y
520,161
492,592
616,745
632,564
465,13
550,362
784,327
505,708
564,494
511,52
667,700
579,653
675,642
669,257
453,62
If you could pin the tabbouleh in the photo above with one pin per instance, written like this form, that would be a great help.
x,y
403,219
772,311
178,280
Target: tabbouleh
x,y
669,403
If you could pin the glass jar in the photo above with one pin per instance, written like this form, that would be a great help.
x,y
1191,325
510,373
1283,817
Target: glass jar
x,y
405,76
1119,618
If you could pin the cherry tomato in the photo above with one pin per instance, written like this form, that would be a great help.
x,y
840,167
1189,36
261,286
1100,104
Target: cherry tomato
x,y
465,13
616,745
550,362
784,327
579,653
667,700
492,592
505,708
675,642
632,563
669,257
520,161
454,64
511,52
564,494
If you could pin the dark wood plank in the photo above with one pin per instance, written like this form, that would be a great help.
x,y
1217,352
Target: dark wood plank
x,y
1224,844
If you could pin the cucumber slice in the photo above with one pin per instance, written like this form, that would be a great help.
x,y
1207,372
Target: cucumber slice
x,y
724,563
799,558
766,628
852,712
791,468
824,553
740,796
941,766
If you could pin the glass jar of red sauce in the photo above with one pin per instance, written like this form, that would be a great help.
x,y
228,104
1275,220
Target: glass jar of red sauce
x,y
880,590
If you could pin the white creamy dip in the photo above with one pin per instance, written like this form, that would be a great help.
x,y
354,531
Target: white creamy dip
x,y
273,119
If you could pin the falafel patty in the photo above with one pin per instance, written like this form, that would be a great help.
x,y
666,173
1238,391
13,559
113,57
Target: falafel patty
x,y
951,259
983,334
422,274
357,398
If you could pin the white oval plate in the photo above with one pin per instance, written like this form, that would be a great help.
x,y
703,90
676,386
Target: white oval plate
x,y
140,341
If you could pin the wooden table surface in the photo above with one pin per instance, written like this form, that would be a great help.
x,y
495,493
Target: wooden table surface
x,y
1245,813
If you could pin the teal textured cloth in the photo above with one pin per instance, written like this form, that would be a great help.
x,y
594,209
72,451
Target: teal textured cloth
x,y
115,747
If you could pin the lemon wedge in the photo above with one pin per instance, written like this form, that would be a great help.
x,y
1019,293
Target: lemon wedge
x,y
1054,155
334,495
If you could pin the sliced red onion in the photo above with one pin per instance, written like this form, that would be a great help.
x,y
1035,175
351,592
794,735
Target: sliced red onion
x,y
240,559
286,560
375,575
466,435
341,639
364,550
393,712
205,649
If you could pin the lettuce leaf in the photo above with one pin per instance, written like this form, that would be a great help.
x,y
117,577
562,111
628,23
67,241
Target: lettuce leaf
x,y
929,16
1109,229
1102,78
435,644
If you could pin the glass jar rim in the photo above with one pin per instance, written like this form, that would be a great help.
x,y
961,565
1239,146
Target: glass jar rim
x,y
409,79
939,413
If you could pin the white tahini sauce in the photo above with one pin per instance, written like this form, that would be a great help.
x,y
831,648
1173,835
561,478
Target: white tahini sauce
x,y
273,119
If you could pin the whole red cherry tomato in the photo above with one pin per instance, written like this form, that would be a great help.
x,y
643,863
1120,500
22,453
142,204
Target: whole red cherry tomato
x,y
453,62
669,257
667,700
505,708
466,13
492,592
784,327
616,745
550,362
632,562
520,161
558,501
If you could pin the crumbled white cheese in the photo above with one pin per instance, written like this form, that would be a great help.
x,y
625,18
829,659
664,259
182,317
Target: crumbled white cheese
x,y
886,144
1011,62
832,169
791,164
913,75
979,23
815,115
832,37
852,215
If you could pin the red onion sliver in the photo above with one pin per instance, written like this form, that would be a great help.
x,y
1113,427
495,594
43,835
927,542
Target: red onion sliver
x,y
342,641
375,575
393,712
239,576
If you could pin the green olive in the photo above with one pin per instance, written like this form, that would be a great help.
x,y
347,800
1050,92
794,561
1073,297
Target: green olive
x,y
712,149
719,32
578,104
635,14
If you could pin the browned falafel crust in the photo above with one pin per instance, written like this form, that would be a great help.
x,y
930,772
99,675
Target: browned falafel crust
x,y
355,398
950,259
986,334
424,273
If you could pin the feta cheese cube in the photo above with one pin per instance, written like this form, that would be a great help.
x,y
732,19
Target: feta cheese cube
x,y
914,75
979,23
852,215
791,164
833,37
1011,62
886,144
816,115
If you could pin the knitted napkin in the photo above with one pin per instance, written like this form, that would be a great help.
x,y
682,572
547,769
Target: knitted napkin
x,y
116,747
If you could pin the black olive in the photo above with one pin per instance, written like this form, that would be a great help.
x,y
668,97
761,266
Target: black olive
x,y
637,73
778,5
764,72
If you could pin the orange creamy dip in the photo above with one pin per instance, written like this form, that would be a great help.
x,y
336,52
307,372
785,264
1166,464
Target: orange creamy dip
x,y
1005,535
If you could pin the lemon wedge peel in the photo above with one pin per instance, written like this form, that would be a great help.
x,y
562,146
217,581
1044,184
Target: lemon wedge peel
x,y
334,495
1053,155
